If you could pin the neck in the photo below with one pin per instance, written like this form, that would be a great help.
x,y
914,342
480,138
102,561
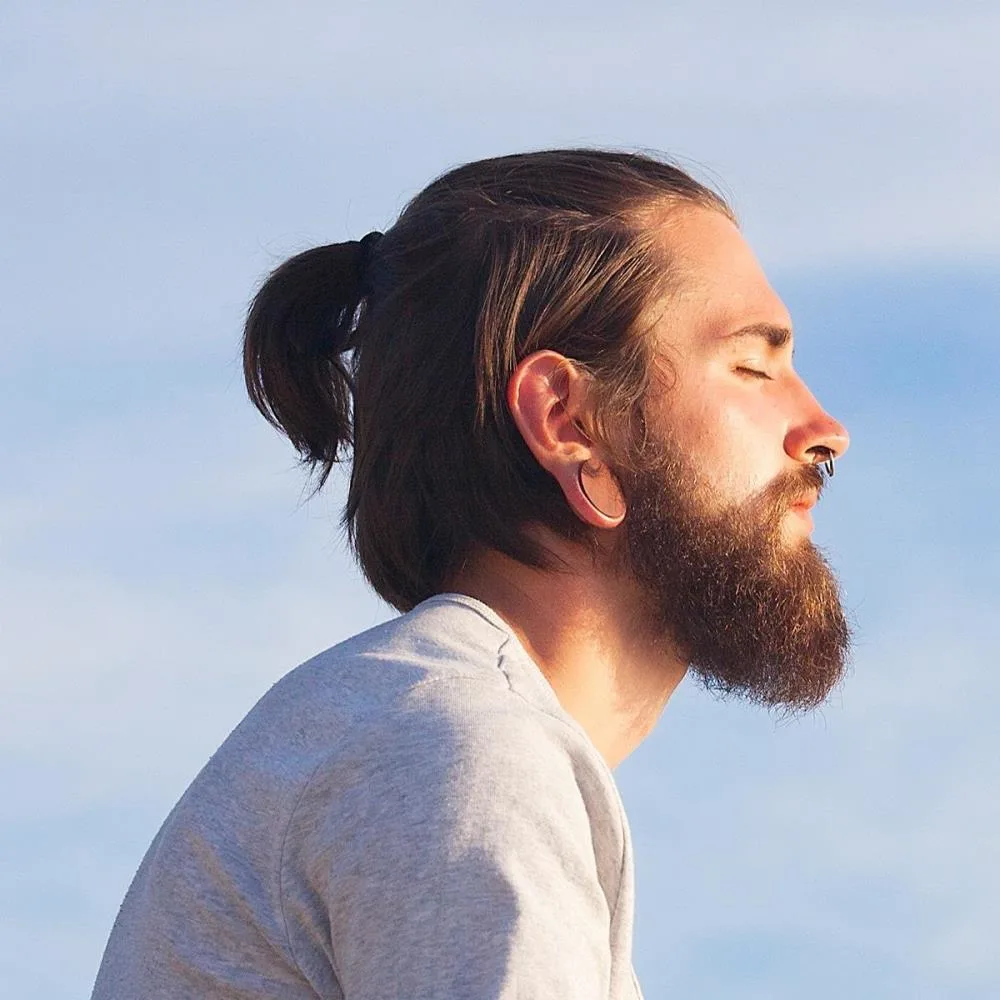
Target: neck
x,y
581,626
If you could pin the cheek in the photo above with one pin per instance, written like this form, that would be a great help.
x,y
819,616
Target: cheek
x,y
731,434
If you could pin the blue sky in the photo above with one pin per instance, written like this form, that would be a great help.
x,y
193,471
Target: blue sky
x,y
159,567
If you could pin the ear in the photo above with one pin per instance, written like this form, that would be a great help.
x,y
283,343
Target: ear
x,y
547,397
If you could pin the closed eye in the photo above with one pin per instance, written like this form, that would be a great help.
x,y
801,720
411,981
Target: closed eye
x,y
751,372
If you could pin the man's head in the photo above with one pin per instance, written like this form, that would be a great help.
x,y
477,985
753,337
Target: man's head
x,y
531,317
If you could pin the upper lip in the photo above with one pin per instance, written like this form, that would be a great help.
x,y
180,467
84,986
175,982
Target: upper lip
x,y
806,501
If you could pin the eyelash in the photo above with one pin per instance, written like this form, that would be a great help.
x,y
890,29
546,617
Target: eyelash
x,y
752,372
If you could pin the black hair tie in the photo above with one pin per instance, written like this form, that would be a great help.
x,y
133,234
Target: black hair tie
x,y
367,246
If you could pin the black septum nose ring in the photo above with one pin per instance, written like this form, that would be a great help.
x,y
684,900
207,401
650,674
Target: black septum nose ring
x,y
827,462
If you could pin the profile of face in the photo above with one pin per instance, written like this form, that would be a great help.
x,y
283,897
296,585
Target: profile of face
x,y
717,533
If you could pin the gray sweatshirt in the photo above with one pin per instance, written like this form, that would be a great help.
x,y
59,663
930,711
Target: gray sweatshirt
x,y
410,814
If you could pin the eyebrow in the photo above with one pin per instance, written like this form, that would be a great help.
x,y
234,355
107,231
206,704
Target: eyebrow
x,y
776,336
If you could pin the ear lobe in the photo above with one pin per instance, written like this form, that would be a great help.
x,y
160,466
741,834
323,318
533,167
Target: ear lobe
x,y
601,490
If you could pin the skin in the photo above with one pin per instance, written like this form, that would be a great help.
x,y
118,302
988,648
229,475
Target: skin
x,y
727,394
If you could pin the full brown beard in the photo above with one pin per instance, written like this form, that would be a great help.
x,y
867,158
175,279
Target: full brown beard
x,y
753,615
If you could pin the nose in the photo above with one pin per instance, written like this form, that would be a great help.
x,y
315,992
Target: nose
x,y
815,436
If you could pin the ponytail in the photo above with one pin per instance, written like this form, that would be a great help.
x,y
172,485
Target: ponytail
x,y
300,325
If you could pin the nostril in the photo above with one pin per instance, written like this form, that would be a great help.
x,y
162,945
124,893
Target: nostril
x,y
825,457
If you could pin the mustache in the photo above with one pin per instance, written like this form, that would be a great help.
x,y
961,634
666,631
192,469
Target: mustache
x,y
789,487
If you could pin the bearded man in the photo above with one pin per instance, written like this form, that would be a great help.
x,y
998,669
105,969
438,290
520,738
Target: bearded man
x,y
583,463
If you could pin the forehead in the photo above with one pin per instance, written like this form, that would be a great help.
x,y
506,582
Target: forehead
x,y
718,284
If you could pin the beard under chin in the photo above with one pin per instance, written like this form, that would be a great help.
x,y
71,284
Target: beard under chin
x,y
753,615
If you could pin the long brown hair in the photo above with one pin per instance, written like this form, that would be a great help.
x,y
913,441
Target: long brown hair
x,y
401,346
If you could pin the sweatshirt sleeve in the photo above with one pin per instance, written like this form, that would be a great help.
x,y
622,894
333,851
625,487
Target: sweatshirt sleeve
x,y
452,855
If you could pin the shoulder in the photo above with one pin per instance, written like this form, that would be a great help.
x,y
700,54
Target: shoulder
x,y
464,743
446,695
461,811
461,769
445,638
464,837
442,698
